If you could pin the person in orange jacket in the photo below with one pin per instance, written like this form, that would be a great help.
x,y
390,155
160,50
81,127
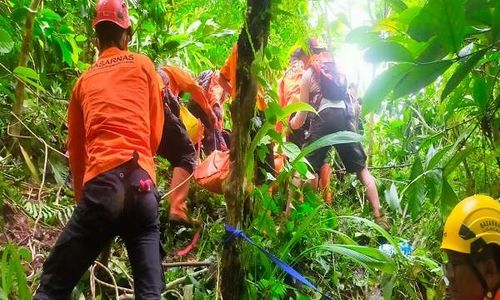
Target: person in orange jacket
x,y
213,138
115,122
176,144
227,80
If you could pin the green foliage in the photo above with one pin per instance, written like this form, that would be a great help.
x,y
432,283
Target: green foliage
x,y
14,283
431,123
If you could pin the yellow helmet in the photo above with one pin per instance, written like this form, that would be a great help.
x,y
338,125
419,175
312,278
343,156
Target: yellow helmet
x,y
473,223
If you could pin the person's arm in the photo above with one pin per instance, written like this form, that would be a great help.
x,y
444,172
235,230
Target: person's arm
x,y
228,72
185,82
176,145
305,85
156,118
76,142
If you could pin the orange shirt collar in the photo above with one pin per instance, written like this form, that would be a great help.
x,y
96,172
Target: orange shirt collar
x,y
110,52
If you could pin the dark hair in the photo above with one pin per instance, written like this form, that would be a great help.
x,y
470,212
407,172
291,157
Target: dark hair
x,y
110,34
297,54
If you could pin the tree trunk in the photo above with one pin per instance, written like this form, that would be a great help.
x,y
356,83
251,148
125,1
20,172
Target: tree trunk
x,y
17,107
253,37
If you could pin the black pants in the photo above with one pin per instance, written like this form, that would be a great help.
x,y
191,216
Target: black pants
x,y
112,204
331,120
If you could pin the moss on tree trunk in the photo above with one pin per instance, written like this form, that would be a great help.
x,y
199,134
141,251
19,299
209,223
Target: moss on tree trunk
x,y
252,40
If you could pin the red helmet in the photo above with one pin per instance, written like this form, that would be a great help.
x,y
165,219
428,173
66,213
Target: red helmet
x,y
115,11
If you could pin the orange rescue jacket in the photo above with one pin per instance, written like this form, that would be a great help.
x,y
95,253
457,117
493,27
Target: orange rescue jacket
x,y
114,111
228,71
182,81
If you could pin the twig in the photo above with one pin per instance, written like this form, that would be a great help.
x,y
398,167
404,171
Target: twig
x,y
58,194
93,279
343,170
177,186
172,291
182,279
218,283
36,136
187,264
41,188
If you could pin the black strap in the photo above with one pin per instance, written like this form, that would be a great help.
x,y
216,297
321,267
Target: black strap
x,y
478,275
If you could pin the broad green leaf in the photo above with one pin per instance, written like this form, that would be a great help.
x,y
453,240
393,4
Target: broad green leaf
x,y
6,42
363,36
28,76
194,26
26,72
433,181
388,51
496,23
441,18
366,256
301,167
397,5
437,157
480,93
456,160
462,71
392,198
419,77
341,137
80,38
49,15
430,154
415,191
295,107
381,86
390,239
291,150
282,115
434,50
388,287
65,52
448,198
478,12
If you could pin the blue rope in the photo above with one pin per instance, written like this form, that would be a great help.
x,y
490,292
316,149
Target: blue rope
x,y
232,232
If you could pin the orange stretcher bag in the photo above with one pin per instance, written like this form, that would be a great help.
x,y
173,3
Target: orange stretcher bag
x,y
211,173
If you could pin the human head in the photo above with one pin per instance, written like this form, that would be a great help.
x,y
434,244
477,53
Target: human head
x,y
298,54
471,239
112,24
315,46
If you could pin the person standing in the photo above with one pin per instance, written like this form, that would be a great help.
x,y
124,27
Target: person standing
x,y
333,116
115,121
471,240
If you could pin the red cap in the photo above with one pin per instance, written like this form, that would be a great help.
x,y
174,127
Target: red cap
x,y
115,11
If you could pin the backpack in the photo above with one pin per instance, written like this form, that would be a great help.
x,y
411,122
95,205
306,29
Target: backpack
x,y
333,85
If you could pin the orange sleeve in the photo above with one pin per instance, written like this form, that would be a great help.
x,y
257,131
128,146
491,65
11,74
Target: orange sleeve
x,y
261,102
228,71
156,116
181,80
76,142
281,92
